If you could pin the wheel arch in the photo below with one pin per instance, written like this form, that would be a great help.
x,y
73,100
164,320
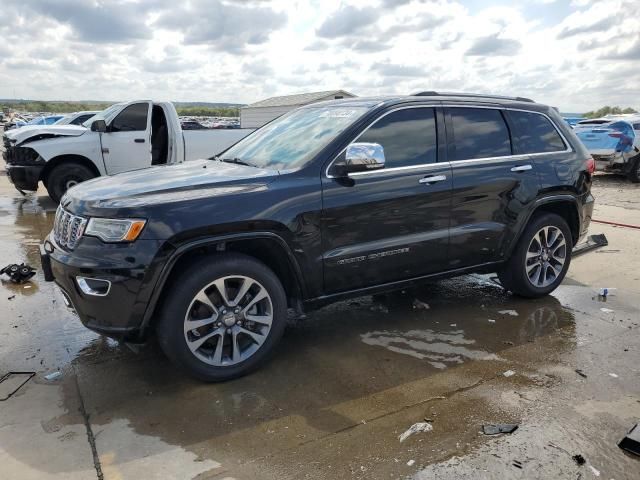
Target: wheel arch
x,y
70,158
565,206
267,247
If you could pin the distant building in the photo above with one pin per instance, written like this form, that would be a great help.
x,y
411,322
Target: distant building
x,y
259,113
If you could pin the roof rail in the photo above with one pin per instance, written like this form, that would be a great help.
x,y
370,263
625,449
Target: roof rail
x,y
431,93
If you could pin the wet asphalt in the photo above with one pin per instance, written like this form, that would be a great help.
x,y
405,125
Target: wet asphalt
x,y
345,383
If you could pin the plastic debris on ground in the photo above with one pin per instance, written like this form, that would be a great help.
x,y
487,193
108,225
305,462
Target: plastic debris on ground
x,y
607,310
53,376
492,321
18,273
631,441
594,470
495,429
509,373
614,375
415,428
513,313
410,462
581,373
579,459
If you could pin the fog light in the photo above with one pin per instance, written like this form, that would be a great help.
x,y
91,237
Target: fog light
x,y
94,286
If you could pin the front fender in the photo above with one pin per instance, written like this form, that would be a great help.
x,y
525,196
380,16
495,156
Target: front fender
x,y
86,145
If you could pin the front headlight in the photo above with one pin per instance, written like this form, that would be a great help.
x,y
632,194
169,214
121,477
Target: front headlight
x,y
115,229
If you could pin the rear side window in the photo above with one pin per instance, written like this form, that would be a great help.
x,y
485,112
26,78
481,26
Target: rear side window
x,y
479,133
636,126
131,119
535,133
408,137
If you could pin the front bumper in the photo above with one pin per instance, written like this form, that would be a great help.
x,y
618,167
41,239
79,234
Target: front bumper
x,y
25,177
127,267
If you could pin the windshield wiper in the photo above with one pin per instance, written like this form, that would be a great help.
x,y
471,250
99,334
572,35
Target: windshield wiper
x,y
236,161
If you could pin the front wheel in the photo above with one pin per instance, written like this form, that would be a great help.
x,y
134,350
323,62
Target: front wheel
x,y
541,259
64,176
223,317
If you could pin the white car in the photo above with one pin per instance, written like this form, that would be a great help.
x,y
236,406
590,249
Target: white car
x,y
125,136
76,118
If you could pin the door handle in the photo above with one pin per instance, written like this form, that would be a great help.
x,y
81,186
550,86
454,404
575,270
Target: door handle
x,y
432,179
521,168
139,140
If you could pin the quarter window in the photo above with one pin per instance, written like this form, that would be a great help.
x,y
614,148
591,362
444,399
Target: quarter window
x,y
535,133
408,137
479,133
131,119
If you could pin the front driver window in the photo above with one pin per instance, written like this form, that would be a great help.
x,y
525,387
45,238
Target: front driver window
x,y
131,119
408,137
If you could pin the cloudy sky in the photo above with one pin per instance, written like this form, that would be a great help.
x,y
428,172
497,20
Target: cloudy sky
x,y
574,54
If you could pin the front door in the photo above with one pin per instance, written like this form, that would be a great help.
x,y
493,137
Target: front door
x,y
492,184
389,224
127,143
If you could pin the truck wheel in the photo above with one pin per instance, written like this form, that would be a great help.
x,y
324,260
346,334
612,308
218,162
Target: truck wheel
x,y
541,258
64,176
633,173
223,317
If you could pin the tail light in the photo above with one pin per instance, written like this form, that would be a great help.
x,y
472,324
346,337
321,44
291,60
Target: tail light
x,y
590,165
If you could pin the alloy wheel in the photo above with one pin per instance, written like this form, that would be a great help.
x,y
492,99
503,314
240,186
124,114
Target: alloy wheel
x,y
228,320
546,256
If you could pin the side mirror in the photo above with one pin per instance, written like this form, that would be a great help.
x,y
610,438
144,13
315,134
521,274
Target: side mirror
x,y
361,157
99,126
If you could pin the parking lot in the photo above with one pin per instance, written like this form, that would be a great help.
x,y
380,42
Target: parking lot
x,y
345,383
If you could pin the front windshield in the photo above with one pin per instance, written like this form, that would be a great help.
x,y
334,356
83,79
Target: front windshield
x,y
293,139
103,115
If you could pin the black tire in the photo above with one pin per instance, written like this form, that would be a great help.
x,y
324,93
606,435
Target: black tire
x,y
65,174
183,290
513,275
633,173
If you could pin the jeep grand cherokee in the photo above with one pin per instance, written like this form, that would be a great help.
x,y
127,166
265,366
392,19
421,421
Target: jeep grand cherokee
x,y
330,201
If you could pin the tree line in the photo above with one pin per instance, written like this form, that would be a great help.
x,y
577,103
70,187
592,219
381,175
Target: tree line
x,y
601,112
68,107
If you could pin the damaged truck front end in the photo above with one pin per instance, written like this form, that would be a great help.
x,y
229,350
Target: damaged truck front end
x,y
24,166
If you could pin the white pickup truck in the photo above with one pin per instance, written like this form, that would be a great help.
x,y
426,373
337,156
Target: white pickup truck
x,y
125,136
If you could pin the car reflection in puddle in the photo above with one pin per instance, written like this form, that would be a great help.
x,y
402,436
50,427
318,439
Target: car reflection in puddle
x,y
439,349
476,332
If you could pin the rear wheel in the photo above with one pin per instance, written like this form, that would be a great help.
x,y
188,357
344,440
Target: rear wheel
x,y
633,173
541,259
65,176
223,317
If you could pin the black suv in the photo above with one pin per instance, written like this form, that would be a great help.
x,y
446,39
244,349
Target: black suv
x,y
332,200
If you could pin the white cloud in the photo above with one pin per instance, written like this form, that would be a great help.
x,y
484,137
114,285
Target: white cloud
x,y
570,56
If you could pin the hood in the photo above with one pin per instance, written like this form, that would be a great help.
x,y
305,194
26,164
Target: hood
x,y
29,131
164,184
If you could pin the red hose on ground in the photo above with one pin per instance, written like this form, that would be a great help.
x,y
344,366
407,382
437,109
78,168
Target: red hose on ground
x,y
616,224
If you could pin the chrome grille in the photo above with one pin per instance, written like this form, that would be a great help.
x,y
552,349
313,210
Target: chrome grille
x,y
68,228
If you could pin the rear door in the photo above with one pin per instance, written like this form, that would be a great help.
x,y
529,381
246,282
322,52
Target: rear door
x,y
127,143
492,185
390,224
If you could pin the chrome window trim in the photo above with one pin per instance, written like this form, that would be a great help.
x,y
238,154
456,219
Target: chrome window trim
x,y
453,163
392,169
